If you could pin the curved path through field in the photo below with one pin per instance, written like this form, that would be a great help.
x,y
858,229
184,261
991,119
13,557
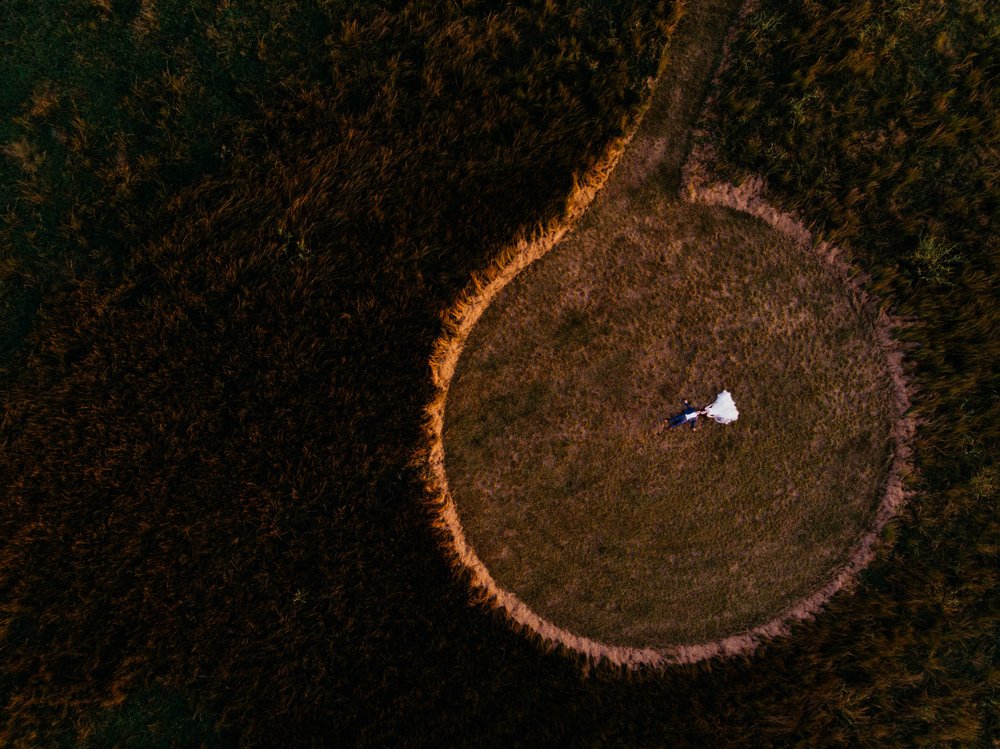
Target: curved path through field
x,y
577,514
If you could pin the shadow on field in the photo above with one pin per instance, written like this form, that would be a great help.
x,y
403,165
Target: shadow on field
x,y
204,462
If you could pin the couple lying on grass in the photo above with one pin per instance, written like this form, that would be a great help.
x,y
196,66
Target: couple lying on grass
x,y
723,410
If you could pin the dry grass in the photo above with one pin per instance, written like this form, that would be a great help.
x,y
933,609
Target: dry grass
x,y
603,523
650,169
205,452
207,423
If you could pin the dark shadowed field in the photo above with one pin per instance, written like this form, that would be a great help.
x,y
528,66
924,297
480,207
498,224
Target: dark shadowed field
x,y
227,232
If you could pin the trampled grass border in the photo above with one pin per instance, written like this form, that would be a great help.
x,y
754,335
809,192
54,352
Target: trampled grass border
x,y
697,187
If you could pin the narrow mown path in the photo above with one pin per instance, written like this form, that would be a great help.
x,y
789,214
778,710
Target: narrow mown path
x,y
651,166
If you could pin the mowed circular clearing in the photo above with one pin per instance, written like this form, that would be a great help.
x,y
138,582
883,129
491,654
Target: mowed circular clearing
x,y
581,504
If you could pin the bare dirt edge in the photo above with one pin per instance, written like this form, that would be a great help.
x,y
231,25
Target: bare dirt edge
x,y
697,187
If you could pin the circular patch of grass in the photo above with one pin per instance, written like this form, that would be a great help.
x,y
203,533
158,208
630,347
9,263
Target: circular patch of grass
x,y
608,526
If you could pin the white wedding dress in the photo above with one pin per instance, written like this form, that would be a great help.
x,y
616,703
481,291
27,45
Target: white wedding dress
x,y
723,410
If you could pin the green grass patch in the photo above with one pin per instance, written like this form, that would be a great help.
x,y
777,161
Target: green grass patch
x,y
155,718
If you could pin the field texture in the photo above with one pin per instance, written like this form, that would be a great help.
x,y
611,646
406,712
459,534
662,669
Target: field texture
x,y
210,529
880,123
575,497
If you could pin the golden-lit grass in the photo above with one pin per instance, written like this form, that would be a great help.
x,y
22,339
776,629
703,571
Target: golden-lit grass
x,y
207,496
576,499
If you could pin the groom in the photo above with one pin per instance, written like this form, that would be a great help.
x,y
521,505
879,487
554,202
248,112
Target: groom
x,y
688,415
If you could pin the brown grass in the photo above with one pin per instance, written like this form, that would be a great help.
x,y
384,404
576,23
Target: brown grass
x,y
24,154
578,502
556,393
205,452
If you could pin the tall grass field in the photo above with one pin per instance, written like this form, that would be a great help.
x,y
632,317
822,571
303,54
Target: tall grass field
x,y
229,232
